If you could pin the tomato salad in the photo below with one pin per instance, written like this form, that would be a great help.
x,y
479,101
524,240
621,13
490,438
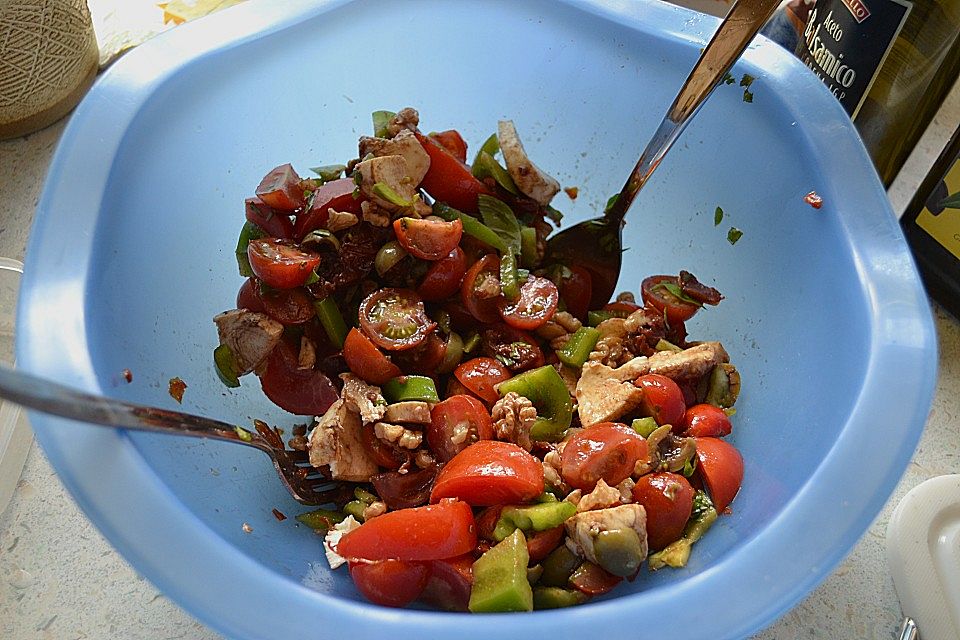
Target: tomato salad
x,y
503,446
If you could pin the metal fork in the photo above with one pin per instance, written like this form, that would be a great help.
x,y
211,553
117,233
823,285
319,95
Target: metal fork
x,y
307,484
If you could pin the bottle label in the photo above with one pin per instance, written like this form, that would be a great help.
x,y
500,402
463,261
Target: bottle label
x,y
846,41
941,215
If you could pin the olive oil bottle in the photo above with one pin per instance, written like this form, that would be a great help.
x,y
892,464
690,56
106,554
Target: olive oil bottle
x,y
890,63
931,225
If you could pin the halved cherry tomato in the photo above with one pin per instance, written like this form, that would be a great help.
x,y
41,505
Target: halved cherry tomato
x,y
366,361
662,399
395,319
390,583
450,582
515,349
490,472
336,195
668,501
541,543
705,420
249,297
433,532
593,580
428,239
487,521
656,295
457,423
280,189
535,306
424,358
276,224
448,179
721,467
453,142
607,450
405,490
480,290
444,276
386,455
480,376
281,264
576,290
288,306
303,392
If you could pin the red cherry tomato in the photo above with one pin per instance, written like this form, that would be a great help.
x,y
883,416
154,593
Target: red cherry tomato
x,y
576,289
721,467
280,189
444,276
275,224
405,490
366,361
281,264
303,392
480,376
484,274
383,453
705,420
288,306
541,543
450,582
395,319
607,450
390,583
662,399
593,580
428,239
453,142
336,195
249,297
457,423
433,532
490,472
487,522
424,358
668,500
535,306
655,295
448,179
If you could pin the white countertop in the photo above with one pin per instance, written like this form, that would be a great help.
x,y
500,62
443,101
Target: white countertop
x,y
60,580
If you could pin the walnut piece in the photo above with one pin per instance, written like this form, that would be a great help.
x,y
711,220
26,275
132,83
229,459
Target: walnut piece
x,y
340,220
513,417
397,434
373,510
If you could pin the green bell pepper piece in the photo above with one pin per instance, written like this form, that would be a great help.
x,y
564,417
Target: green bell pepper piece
x,y
509,279
545,389
332,321
321,519
403,388
556,598
500,578
486,166
380,121
471,226
227,367
329,172
645,426
578,348
248,232
535,517
529,257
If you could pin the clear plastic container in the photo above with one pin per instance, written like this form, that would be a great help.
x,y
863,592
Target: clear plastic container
x,y
15,434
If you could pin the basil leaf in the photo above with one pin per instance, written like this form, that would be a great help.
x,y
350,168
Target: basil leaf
x,y
554,215
485,166
717,216
499,218
733,235
677,292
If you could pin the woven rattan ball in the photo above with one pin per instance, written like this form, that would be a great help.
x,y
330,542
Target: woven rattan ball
x,y
48,59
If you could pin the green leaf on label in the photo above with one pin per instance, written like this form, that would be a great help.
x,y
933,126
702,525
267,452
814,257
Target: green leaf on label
x,y
746,80
733,235
728,78
717,216
747,95
501,220
951,202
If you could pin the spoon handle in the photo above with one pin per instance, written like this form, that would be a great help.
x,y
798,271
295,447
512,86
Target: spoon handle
x,y
742,23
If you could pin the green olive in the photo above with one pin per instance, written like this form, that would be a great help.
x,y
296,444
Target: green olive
x,y
619,551
555,598
389,255
558,567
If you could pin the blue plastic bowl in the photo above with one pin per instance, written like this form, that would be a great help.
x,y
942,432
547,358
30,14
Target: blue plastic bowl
x,y
131,256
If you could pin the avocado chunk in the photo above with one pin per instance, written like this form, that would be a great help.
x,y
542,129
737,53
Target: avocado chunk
x,y
500,578
535,517
545,389
555,598
677,553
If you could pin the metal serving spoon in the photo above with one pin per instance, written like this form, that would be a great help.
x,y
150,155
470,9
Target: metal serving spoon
x,y
597,244
305,483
